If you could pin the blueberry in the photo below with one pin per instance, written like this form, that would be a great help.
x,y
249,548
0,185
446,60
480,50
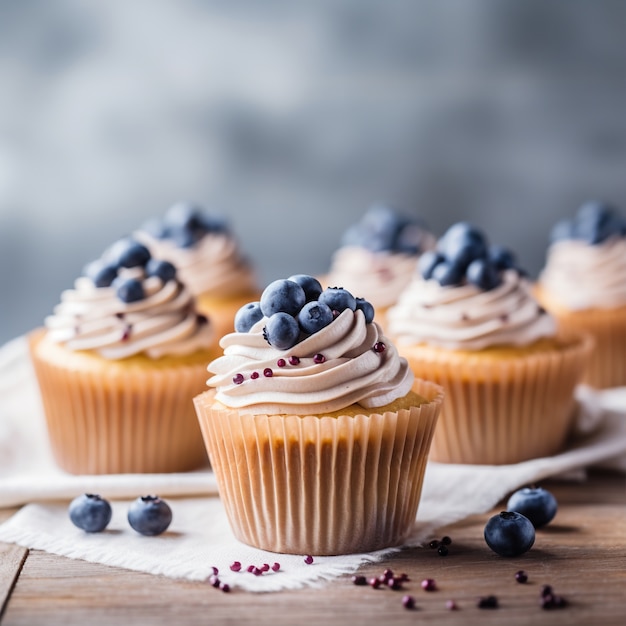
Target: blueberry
x,y
214,224
162,269
378,228
310,284
184,216
149,515
367,308
509,533
247,316
462,243
129,289
563,230
101,273
428,262
596,222
185,238
156,227
447,274
90,512
282,296
338,299
535,503
128,253
282,331
483,274
502,258
409,238
314,316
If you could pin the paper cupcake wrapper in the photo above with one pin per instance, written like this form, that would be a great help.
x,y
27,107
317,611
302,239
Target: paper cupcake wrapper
x,y
320,485
501,411
606,365
130,420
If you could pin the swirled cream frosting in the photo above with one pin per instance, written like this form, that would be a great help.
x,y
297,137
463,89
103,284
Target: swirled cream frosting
x,y
466,317
349,361
163,322
581,276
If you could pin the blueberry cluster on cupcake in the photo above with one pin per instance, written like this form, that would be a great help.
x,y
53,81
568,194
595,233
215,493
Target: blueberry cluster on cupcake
x,y
117,363
377,255
583,284
470,322
315,425
208,256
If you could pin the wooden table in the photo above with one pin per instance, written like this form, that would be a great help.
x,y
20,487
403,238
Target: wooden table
x,y
582,554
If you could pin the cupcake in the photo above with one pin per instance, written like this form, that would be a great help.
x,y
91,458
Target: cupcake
x,y
118,364
469,322
583,284
208,259
317,430
378,255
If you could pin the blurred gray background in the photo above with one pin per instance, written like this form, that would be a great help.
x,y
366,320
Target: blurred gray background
x,y
292,118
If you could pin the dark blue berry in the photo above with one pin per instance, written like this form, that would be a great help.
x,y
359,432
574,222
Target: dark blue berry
x,y
596,222
462,243
483,274
502,258
214,224
282,331
101,273
162,269
428,262
409,238
535,503
509,533
128,253
376,231
184,216
247,316
149,515
282,296
183,238
448,274
314,316
90,512
367,308
563,230
129,289
338,299
310,284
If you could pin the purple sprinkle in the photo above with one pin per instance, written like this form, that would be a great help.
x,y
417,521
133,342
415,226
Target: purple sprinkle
x,y
429,584
225,587
214,581
126,333
408,602
359,580
394,583
257,571
374,583
294,360
521,576
446,541
487,602
433,544
254,375
308,559
238,379
267,372
276,567
451,605
251,568
387,574
202,319
319,358
379,347
442,550
281,362
265,567
236,566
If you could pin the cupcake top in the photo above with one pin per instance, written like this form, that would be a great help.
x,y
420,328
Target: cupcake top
x,y
202,247
378,254
129,303
468,295
586,261
304,350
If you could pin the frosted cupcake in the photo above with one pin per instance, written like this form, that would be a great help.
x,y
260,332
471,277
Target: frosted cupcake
x,y
378,256
118,364
317,430
469,322
208,258
583,284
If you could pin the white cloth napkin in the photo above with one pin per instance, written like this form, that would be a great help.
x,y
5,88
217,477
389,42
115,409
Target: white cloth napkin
x,y
199,537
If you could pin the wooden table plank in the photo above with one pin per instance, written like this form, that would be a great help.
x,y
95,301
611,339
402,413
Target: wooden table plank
x,y
582,554
12,558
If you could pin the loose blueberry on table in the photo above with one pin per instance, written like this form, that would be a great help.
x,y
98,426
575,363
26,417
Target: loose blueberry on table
x,y
535,503
509,534
149,515
90,512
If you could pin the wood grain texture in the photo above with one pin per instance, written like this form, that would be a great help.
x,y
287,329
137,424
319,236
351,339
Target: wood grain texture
x,y
11,560
582,554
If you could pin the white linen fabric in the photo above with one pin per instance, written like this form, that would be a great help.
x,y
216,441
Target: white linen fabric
x,y
199,537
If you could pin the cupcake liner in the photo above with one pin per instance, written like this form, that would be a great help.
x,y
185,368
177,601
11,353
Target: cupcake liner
x,y
115,417
502,409
320,485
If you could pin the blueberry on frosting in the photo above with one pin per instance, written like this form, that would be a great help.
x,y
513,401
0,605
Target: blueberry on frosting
x,y
382,229
463,255
594,223
295,310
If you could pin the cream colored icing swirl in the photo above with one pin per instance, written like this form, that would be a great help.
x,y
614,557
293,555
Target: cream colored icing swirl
x,y
165,322
468,318
352,371
581,276
212,266
379,277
